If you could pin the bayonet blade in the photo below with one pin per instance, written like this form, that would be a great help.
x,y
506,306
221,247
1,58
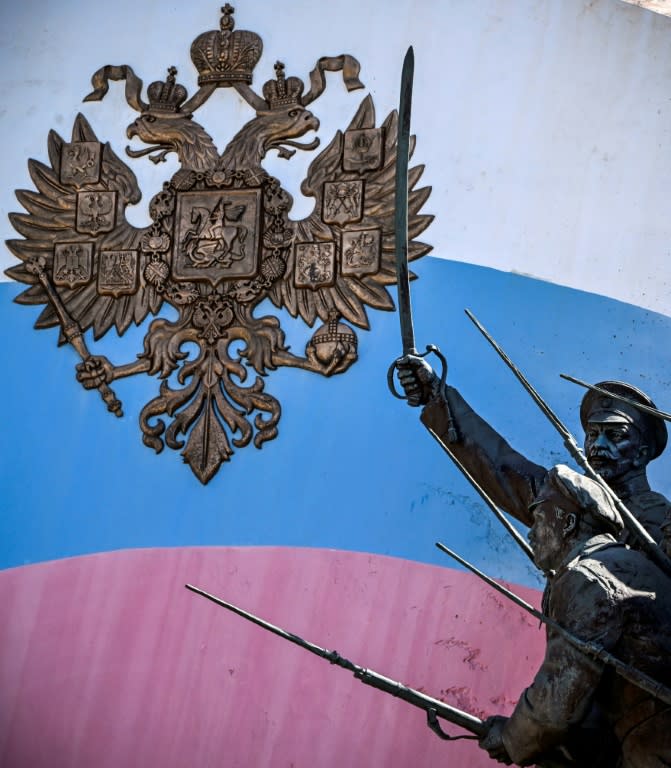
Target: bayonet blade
x,y
634,403
433,707
401,204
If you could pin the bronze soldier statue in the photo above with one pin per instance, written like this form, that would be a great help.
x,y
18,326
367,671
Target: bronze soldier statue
x,y
602,696
620,440
601,591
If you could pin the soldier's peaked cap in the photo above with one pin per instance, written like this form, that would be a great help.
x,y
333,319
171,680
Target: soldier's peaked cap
x,y
595,505
600,408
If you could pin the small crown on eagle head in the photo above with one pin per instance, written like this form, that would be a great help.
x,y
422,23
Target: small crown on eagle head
x,y
283,91
224,57
166,97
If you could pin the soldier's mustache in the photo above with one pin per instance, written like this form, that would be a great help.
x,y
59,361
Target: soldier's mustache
x,y
601,453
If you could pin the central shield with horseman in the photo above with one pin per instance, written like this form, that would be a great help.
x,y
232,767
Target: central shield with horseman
x,y
217,235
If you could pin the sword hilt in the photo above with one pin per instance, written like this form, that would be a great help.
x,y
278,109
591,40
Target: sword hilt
x,y
430,348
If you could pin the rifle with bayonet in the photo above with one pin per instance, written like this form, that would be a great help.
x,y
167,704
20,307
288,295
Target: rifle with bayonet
x,y
434,708
514,533
596,651
644,539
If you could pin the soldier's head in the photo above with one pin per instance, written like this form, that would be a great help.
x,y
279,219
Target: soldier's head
x,y
569,508
620,439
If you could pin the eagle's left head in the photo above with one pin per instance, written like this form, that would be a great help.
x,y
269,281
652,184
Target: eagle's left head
x,y
166,124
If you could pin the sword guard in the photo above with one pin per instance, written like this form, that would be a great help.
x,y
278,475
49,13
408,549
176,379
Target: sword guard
x,y
429,349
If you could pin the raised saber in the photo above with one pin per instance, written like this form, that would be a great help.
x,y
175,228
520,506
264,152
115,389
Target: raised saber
x,y
401,233
401,205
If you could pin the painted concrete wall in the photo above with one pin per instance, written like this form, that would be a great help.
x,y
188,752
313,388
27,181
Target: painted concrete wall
x,y
548,158
544,126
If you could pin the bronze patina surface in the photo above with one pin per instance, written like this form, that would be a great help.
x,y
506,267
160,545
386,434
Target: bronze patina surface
x,y
221,241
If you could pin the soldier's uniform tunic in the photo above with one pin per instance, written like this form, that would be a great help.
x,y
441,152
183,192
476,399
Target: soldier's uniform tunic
x,y
614,596
512,481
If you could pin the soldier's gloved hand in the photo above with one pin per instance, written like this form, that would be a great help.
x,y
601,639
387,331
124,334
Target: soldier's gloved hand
x,y
493,740
94,371
417,378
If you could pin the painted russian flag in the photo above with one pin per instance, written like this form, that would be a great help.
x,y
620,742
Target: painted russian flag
x,y
329,530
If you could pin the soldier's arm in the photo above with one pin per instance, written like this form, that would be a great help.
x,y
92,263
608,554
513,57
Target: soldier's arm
x,y
557,708
557,701
508,477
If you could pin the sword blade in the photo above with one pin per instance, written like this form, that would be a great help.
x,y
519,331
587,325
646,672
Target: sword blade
x,y
401,204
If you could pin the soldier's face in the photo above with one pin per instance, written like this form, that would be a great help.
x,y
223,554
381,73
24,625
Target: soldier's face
x,y
614,448
548,536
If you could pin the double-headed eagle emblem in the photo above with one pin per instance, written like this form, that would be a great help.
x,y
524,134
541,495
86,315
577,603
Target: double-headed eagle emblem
x,y
220,242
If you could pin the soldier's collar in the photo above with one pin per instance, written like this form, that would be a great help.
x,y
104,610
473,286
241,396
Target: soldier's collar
x,y
633,485
585,548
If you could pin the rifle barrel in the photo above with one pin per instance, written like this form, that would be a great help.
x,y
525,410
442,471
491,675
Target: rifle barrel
x,y
641,406
494,584
551,415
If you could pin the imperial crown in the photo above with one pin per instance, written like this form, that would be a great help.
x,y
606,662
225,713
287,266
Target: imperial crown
x,y
166,96
284,91
224,57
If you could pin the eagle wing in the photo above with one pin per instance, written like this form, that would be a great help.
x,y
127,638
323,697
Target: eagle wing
x,y
349,294
52,222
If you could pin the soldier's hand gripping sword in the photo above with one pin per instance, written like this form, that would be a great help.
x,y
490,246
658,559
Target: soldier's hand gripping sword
x,y
72,331
401,235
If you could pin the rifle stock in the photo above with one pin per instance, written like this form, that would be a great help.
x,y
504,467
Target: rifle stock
x,y
418,699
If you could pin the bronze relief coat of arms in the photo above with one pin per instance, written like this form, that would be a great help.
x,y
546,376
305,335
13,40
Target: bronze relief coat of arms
x,y
221,241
